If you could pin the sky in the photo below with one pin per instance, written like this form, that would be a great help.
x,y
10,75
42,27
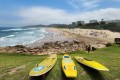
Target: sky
x,y
14,13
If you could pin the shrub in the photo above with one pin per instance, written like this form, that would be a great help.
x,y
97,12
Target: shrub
x,y
94,48
108,44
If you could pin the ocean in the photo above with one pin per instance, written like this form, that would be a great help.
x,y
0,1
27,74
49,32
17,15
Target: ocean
x,y
11,36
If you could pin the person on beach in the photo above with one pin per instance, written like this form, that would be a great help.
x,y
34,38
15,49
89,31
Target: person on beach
x,y
88,48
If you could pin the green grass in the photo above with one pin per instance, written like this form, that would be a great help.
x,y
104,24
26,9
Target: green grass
x,y
110,57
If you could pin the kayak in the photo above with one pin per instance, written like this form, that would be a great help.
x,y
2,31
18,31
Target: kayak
x,y
91,63
44,66
68,67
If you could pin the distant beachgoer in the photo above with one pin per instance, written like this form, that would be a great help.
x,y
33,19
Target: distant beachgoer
x,y
88,48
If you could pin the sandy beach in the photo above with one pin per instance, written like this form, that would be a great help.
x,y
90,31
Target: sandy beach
x,y
96,38
100,34
59,40
53,35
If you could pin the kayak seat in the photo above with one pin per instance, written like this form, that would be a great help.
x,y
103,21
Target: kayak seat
x,y
66,57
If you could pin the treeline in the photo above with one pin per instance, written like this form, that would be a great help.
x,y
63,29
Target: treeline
x,y
113,26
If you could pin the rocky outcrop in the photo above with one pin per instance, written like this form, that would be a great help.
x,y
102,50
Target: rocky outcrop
x,y
49,47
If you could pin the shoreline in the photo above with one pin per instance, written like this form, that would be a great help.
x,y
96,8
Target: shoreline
x,y
59,41
51,36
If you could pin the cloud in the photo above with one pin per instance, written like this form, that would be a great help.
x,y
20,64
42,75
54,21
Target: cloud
x,y
46,15
87,4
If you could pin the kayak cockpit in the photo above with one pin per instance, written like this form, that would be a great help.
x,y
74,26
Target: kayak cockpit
x,y
66,56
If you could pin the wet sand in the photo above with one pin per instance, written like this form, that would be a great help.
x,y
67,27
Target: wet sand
x,y
52,36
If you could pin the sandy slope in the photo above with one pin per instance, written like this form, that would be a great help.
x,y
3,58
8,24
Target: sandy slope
x,y
93,37
100,34
97,38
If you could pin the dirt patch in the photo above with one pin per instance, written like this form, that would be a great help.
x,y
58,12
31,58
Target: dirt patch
x,y
2,75
83,73
12,71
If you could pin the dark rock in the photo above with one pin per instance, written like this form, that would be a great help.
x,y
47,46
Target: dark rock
x,y
19,46
47,43
76,41
65,42
36,50
25,50
117,40
94,48
19,51
57,43
56,47
62,45
108,44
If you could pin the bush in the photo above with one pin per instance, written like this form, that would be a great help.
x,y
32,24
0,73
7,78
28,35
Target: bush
x,y
94,48
108,44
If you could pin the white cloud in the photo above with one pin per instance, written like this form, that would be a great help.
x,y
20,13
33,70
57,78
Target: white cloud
x,y
86,4
45,15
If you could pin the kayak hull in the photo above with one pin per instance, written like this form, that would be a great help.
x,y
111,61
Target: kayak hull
x,y
68,67
92,64
44,66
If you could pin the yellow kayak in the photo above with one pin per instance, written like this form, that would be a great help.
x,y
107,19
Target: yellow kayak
x,y
90,63
68,67
44,66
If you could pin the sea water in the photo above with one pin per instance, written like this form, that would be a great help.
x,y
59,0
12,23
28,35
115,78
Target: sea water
x,y
11,36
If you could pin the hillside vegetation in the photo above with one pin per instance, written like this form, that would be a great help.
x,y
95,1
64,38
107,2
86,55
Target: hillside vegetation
x,y
113,26
110,26
17,66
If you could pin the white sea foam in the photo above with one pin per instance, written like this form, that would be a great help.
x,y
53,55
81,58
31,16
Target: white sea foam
x,y
31,28
10,36
22,38
31,32
18,29
43,30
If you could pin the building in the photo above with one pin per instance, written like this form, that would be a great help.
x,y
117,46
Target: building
x,y
80,23
93,21
73,23
102,21
112,21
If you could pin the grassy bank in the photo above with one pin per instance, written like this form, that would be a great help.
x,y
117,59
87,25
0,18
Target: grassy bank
x,y
110,57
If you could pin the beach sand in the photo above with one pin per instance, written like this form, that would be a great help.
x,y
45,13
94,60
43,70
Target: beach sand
x,y
105,35
62,40
53,35
88,36
97,38
93,37
68,40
